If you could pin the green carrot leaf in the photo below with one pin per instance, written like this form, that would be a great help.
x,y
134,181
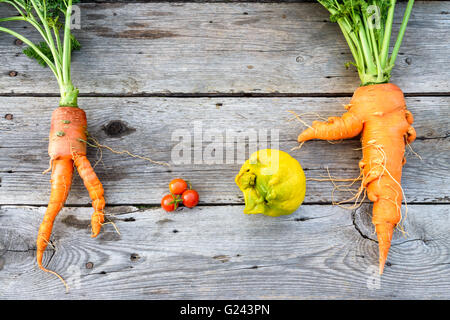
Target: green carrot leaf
x,y
367,28
51,19
44,48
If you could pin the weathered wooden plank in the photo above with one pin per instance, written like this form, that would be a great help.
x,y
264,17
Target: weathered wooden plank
x,y
153,125
220,253
228,48
210,1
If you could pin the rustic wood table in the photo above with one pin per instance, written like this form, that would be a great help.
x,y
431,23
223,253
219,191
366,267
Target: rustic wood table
x,y
148,71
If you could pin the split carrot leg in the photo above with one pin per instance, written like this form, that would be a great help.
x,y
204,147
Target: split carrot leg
x,y
61,180
95,189
336,128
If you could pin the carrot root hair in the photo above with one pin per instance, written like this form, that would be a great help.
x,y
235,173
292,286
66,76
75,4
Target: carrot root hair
x,y
97,144
57,275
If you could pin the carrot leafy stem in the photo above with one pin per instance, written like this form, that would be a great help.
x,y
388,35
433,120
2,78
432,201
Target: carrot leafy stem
x,y
31,53
367,28
48,18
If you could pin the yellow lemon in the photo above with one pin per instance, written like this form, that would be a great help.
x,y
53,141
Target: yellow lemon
x,y
273,183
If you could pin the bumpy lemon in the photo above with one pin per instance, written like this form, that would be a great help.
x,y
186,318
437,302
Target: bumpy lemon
x,y
273,183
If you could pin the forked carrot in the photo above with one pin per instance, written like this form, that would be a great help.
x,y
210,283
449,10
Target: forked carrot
x,y
68,135
377,109
67,147
379,113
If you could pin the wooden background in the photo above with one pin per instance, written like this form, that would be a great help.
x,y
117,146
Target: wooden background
x,y
149,69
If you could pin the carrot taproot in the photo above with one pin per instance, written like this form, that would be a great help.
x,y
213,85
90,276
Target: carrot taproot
x,y
379,113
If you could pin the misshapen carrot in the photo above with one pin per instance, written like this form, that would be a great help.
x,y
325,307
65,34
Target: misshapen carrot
x,y
67,147
379,113
67,141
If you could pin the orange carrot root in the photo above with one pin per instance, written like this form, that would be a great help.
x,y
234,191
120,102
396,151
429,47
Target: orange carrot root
x,y
61,181
379,113
66,146
95,188
384,235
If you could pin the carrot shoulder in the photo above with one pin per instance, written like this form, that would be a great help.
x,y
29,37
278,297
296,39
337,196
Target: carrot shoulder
x,y
379,113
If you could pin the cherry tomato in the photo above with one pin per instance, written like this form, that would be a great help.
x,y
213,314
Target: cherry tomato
x,y
178,186
170,202
190,198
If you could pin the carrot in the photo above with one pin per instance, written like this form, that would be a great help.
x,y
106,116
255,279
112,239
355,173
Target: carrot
x,y
67,147
377,109
68,135
379,113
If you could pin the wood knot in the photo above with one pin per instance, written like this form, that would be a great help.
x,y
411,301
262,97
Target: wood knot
x,y
117,128
222,258
134,257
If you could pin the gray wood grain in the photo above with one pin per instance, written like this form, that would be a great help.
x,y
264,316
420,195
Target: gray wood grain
x,y
226,48
319,252
152,130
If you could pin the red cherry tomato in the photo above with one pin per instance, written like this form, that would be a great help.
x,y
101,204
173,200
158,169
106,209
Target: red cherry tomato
x,y
178,186
190,198
170,202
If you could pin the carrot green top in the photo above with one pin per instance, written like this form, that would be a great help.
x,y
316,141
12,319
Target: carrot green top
x,y
44,16
367,28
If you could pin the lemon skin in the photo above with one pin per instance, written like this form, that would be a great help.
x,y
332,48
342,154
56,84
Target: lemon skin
x,y
273,183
